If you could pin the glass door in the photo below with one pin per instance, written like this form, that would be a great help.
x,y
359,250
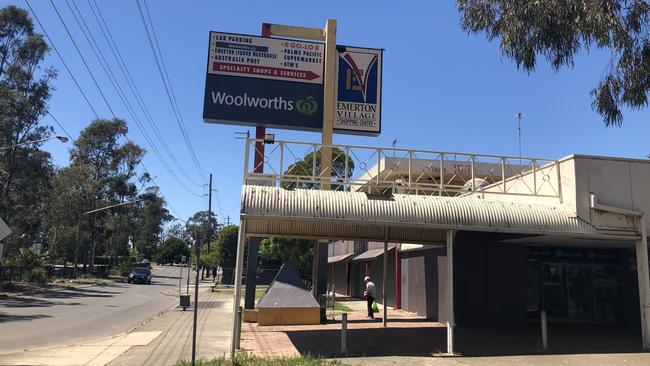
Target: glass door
x,y
606,292
580,292
554,290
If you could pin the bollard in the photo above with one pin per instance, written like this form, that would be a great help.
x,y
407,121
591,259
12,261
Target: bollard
x,y
344,333
239,318
544,333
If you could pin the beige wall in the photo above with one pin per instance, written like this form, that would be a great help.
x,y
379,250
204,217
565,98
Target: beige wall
x,y
621,183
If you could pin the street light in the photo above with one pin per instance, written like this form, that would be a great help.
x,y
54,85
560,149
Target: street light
x,y
81,214
60,138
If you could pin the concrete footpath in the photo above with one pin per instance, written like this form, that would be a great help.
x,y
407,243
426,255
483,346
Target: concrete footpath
x,y
164,340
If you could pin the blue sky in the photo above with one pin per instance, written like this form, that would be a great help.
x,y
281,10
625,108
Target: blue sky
x,y
442,88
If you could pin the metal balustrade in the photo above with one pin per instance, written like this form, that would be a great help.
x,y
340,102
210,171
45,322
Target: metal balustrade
x,y
383,171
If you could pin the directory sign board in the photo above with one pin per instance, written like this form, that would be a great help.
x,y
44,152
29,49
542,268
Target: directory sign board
x,y
264,81
278,83
358,91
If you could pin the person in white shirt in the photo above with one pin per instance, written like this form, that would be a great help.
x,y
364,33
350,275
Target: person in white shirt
x,y
369,293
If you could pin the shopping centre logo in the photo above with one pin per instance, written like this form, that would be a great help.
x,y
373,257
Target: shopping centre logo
x,y
307,106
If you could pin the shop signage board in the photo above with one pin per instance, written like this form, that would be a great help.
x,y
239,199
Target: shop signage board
x,y
264,81
278,83
358,91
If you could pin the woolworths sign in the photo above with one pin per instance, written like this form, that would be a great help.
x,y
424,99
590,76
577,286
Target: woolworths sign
x,y
278,83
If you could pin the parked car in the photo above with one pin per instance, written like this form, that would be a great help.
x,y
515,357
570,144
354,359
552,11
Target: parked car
x,y
140,275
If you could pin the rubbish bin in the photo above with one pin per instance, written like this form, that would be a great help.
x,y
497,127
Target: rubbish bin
x,y
185,301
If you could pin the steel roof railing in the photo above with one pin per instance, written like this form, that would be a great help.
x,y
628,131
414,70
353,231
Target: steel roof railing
x,y
383,171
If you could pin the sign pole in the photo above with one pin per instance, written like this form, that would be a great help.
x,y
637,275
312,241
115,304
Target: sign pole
x,y
329,83
254,242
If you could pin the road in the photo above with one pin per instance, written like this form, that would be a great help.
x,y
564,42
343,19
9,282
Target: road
x,y
76,315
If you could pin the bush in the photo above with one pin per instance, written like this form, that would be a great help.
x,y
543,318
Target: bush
x,y
36,275
7,286
126,265
28,258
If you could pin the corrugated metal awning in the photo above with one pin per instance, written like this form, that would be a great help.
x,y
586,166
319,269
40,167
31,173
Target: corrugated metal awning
x,y
321,214
338,258
370,254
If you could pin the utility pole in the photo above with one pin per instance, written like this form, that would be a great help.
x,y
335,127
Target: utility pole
x,y
228,220
197,253
210,214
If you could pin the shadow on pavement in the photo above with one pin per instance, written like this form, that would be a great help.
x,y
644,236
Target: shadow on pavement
x,y
43,299
5,318
369,342
562,339
470,342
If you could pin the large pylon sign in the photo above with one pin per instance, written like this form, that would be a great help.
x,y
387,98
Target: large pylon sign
x,y
280,83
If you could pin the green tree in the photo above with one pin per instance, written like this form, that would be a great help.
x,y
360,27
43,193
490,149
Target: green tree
x,y
227,246
274,252
25,171
113,171
172,250
558,30
200,229
305,168
151,216
71,194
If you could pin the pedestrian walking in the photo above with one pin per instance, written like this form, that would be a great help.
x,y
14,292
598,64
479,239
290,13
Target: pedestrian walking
x,y
370,294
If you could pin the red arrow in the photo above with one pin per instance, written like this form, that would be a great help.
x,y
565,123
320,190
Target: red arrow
x,y
265,71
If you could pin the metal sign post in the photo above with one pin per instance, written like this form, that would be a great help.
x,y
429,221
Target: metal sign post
x,y
327,34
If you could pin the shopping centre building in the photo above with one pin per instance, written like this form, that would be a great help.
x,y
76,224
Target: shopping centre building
x,y
467,239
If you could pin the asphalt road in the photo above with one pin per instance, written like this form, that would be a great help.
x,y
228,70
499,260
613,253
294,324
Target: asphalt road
x,y
74,315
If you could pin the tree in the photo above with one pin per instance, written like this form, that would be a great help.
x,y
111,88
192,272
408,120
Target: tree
x,y
558,30
151,216
112,165
199,229
25,171
274,252
172,250
305,167
71,194
227,246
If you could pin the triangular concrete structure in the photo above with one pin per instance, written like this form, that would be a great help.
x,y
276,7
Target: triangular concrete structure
x,y
287,301
287,291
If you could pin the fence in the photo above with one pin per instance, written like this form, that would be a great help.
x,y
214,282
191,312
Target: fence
x,y
264,277
385,170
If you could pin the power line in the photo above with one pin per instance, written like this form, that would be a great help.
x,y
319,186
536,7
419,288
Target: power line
x,y
83,59
144,168
61,126
169,90
88,34
87,100
62,60
123,96
124,100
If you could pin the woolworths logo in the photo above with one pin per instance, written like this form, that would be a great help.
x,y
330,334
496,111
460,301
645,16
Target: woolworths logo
x,y
307,106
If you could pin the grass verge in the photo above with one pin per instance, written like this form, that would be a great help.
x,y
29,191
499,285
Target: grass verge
x,y
245,359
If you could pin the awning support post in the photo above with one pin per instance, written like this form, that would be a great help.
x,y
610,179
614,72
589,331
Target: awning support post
x,y
450,291
384,279
239,266
644,282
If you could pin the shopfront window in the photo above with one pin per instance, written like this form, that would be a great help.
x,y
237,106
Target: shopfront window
x,y
579,287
